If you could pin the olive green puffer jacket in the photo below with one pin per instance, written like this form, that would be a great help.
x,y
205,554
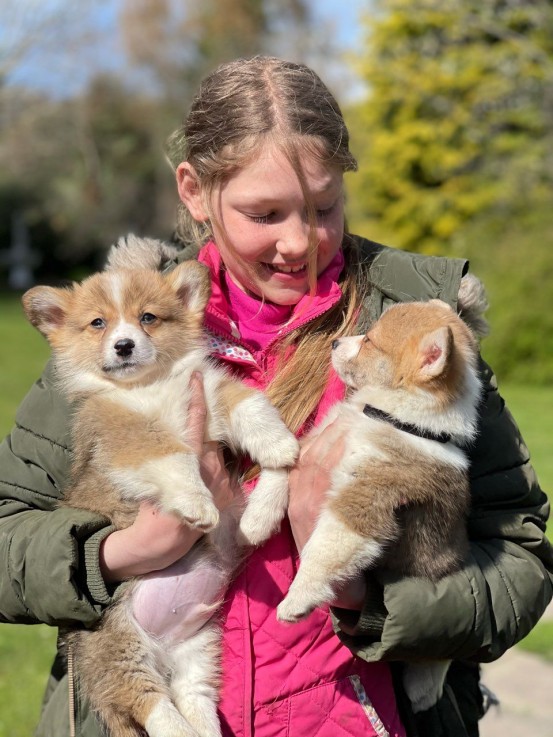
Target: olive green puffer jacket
x,y
49,570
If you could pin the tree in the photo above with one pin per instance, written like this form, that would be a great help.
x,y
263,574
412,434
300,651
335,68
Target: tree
x,y
176,43
86,170
458,120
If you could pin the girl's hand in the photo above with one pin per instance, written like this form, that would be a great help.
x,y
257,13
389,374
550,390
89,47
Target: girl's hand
x,y
155,540
309,482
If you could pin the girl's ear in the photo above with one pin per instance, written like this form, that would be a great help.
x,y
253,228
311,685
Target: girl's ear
x,y
190,192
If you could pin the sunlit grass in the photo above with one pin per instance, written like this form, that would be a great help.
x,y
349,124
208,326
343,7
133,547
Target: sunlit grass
x,y
26,654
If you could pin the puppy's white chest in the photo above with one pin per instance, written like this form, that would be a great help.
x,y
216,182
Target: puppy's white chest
x,y
165,402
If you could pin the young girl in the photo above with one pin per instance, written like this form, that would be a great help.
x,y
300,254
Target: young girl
x,y
259,165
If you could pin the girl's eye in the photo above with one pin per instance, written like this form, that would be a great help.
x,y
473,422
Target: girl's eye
x,y
147,318
324,212
98,323
260,218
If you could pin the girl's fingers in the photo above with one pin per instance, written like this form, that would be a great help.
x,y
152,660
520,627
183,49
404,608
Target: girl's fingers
x,y
309,481
196,414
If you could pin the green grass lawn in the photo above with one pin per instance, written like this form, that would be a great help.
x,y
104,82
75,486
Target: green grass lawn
x,y
26,652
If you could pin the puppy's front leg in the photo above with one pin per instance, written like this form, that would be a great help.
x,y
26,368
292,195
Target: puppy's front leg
x,y
333,555
144,460
265,508
255,426
175,482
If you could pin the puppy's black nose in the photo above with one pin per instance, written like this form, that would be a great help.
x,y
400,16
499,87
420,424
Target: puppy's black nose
x,y
335,344
124,347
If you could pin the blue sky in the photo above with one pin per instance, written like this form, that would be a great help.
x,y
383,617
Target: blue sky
x,y
63,70
345,14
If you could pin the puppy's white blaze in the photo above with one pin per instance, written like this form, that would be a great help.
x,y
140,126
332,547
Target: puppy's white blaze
x,y
346,351
117,285
348,347
265,508
165,721
144,350
333,554
249,421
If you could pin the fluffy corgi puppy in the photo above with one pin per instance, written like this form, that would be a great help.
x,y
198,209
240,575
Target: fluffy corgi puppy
x,y
125,343
400,494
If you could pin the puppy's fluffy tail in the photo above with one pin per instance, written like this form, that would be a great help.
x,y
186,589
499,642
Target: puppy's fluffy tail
x,y
472,304
132,252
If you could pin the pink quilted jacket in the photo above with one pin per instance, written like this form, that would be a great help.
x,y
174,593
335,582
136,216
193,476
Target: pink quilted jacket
x,y
284,680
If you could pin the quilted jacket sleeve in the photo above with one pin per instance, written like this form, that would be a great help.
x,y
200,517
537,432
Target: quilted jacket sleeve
x,y
48,554
504,585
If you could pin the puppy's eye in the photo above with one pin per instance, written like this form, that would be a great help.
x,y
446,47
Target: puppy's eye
x,y
98,323
366,339
147,318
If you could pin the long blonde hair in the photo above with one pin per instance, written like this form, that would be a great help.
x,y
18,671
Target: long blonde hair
x,y
239,108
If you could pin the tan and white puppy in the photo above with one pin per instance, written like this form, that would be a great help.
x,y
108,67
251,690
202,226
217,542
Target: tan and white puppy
x,y
400,494
125,344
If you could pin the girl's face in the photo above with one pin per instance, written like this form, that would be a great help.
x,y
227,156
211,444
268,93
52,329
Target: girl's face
x,y
261,211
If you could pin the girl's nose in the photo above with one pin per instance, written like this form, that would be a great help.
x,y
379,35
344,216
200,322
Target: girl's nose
x,y
293,240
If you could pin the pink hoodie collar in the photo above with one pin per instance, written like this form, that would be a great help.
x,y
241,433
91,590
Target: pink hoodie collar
x,y
218,309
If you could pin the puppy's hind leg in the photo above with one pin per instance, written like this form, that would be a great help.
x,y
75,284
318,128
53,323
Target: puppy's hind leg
x,y
195,679
163,720
117,668
424,683
333,555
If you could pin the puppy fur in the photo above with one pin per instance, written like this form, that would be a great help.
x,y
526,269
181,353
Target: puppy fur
x,y
397,500
126,343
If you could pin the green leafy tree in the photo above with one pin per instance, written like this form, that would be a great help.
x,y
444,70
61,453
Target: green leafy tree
x,y
174,43
458,118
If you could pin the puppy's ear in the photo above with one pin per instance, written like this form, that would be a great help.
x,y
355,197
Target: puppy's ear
x,y
191,282
46,308
434,352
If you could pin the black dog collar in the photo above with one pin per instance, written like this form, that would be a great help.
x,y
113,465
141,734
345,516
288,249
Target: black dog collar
x,y
378,414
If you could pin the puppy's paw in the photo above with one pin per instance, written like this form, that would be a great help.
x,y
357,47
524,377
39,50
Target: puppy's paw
x,y
306,593
265,508
424,683
292,610
252,531
201,712
165,721
201,514
281,450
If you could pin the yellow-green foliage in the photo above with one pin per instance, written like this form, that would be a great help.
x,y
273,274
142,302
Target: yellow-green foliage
x,y
514,258
457,119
